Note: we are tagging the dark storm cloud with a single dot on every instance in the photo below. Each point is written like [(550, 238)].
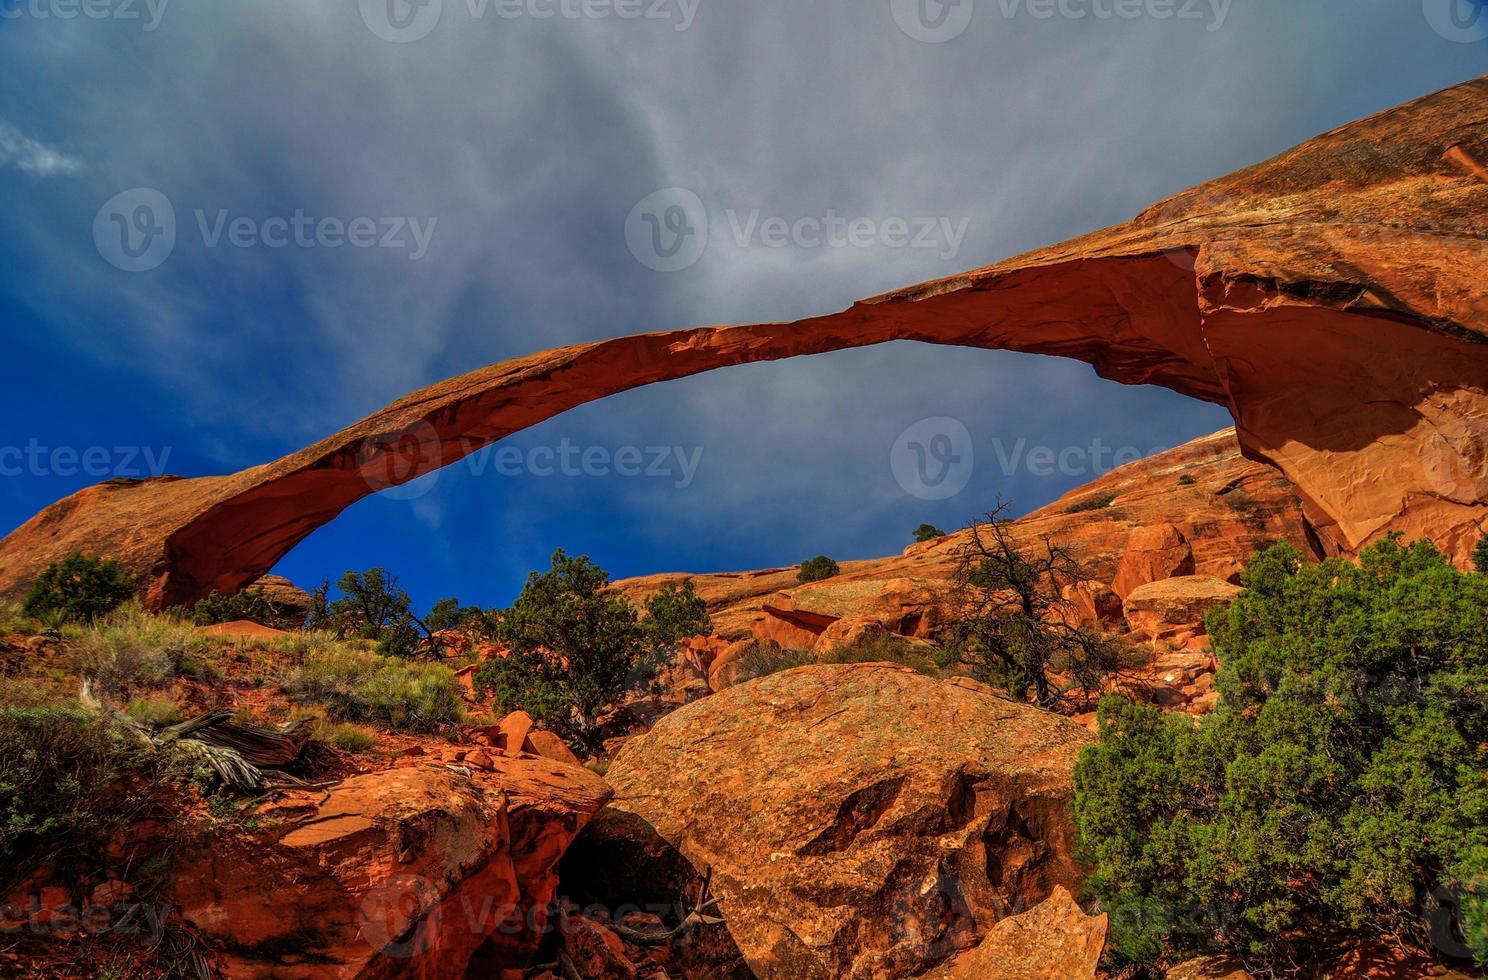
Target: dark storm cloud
[(521, 144)]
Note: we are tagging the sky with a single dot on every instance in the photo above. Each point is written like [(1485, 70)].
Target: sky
[(232, 229)]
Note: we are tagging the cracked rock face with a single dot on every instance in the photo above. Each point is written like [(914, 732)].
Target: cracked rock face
[(1331, 298), (861, 820), (402, 873)]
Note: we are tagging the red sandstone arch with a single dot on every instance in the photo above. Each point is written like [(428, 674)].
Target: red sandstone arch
[(1332, 298)]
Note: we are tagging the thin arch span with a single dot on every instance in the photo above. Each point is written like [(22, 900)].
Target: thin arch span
[(1350, 349)]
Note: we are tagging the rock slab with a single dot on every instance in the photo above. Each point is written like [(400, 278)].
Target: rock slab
[(861, 820)]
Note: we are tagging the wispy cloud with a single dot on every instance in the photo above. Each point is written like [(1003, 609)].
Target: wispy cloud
[(34, 157)]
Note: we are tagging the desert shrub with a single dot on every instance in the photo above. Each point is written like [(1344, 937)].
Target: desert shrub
[(154, 712), (372, 606), (301, 645), (448, 614), (763, 658), (57, 771), (80, 588), (674, 614), (1342, 778), (132, 648), (250, 604), (1186, 480), (927, 532), (360, 685), (1099, 502), (883, 648), (574, 647), (14, 620), (1013, 625), (349, 738), (410, 697), (1480, 555), (818, 568)]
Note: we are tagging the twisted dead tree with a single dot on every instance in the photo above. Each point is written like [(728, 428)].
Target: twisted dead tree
[(245, 757), (1015, 622)]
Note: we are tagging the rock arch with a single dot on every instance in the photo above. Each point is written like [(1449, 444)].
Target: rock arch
[(1332, 299)]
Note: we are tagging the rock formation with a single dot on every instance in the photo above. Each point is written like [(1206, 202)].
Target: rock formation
[(859, 820), (406, 872), (1053, 941), (1330, 298), (1212, 506), (1159, 608)]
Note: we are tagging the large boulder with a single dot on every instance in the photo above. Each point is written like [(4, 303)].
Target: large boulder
[(1163, 608), (1155, 552), (292, 602), (848, 632), (413, 871), (860, 820)]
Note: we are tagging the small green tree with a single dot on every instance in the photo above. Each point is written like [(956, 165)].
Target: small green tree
[(927, 532), (816, 569), (1014, 623), (674, 614), (1341, 782), (372, 606), (448, 614), (252, 604), (79, 588), (572, 646)]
